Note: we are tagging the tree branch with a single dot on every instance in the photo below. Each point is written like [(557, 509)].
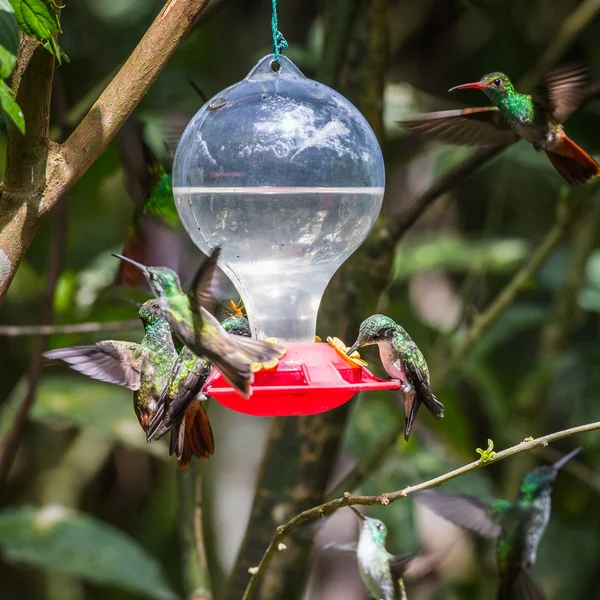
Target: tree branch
[(572, 212), (90, 327), (388, 497), (39, 172)]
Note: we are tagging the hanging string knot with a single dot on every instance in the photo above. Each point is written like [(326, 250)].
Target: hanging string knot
[(279, 42)]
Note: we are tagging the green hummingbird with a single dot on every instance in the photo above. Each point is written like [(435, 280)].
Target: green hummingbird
[(179, 409), (202, 333), (518, 526), (380, 570), (402, 360), (535, 118), (143, 368)]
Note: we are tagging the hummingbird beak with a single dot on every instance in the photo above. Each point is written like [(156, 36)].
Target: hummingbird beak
[(476, 85), (140, 266), (559, 464), (351, 350), (357, 513)]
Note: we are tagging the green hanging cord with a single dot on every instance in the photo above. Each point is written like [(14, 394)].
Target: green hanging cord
[(279, 42)]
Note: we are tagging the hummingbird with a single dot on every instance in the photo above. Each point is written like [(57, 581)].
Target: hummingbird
[(518, 526), (380, 570), (202, 333), (536, 118), (179, 408), (143, 368), (402, 360)]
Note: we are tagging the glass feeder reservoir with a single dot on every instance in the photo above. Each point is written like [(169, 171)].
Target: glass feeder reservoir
[(287, 177)]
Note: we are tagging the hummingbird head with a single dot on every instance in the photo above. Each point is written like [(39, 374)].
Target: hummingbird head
[(541, 479), (375, 329), (162, 281), (375, 528), (150, 313), (237, 325), (496, 86)]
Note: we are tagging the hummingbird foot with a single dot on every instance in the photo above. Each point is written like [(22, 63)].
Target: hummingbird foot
[(407, 388), (538, 145)]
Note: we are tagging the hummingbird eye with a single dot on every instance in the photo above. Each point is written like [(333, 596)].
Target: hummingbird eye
[(497, 83)]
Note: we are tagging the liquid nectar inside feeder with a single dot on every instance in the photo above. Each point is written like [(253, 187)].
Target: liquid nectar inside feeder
[(287, 177)]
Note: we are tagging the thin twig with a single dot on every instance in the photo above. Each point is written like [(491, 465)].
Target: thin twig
[(74, 328), (388, 497), (573, 211)]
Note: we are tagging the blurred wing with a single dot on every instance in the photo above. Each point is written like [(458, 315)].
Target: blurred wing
[(399, 563), (482, 126), (199, 294), (115, 362), (465, 511), (563, 90)]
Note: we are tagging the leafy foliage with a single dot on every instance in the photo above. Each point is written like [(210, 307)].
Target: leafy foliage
[(55, 538)]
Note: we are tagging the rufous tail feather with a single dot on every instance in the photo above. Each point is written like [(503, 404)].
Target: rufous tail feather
[(194, 437), (572, 162)]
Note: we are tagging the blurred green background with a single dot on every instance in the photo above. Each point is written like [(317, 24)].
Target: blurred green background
[(91, 511)]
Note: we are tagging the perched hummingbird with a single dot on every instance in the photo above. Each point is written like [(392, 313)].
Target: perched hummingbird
[(380, 571), (402, 360), (535, 118), (143, 368), (179, 408), (202, 333), (518, 525)]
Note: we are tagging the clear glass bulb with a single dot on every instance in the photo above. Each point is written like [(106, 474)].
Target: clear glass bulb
[(287, 177)]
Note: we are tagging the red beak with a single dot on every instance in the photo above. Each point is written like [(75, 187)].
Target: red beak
[(477, 85)]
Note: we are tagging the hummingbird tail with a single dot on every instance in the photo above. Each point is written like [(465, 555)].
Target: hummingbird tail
[(412, 403), (520, 584), (194, 437), (572, 162)]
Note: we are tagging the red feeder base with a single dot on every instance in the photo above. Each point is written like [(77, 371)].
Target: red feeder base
[(311, 378)]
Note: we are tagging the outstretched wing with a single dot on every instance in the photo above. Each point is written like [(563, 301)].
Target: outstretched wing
[(563, 90), (200, 294), (115, 362), (466, 511), (481, 126)]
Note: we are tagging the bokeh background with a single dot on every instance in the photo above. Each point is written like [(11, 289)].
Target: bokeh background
[(533, 371)]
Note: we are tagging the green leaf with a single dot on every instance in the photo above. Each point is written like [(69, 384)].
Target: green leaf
[(105, 408), (10, 108), (488, 454), (59, 539), (9, 39), (37, 19)]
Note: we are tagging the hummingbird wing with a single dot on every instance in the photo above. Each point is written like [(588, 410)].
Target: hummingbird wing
[(562, 91), (199, 293), (112, 361), (481, 126), (482, 517)]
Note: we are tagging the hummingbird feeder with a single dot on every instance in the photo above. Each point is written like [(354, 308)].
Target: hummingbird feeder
[(287, 177)]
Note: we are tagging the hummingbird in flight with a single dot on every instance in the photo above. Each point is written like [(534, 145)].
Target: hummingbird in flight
[(536, 118), (180, 410), (380, 570), (518, 526), (403, 361), (144, 368), (200, 331)]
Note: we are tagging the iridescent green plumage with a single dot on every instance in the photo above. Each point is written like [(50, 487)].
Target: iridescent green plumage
[(197, 329), (402, 360), (518, 526)]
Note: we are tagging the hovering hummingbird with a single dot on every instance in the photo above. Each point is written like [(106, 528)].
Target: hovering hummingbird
[(380, 570), (143, 368), (518, 525), (179, 408), (402, 360), (202, 333), (535, 118)]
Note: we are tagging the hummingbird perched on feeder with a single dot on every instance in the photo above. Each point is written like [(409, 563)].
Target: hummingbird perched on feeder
[(380, 570), (202, 333), (143, 368), (535, 118), (402, 360), (179, 408), (518, 526)]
